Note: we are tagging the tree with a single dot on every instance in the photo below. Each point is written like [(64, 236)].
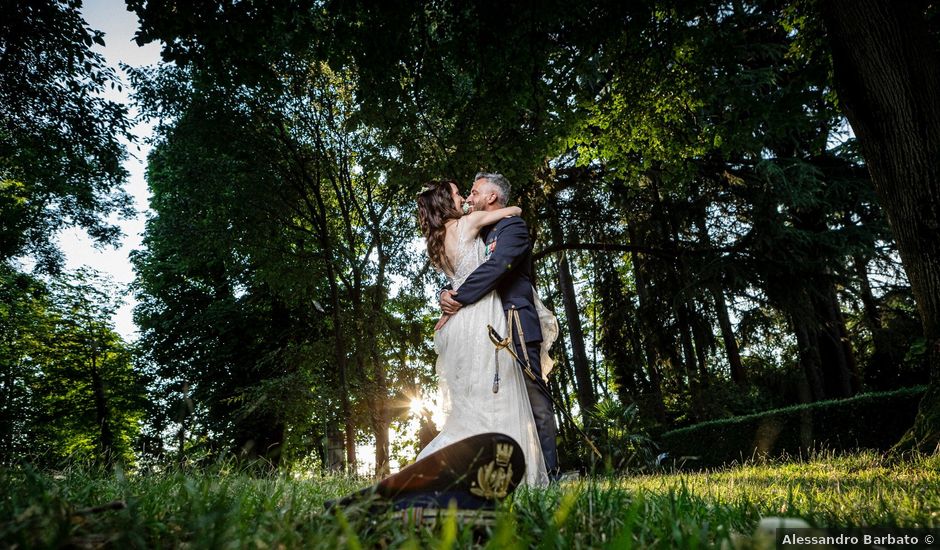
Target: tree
[(298, 239), (24, 328), (91, 396), (224, 342), (69, 389), (61, 154), (684, 157), (887, 73), (60, 144)]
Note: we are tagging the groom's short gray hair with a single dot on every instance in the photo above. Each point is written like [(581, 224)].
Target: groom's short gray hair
[(499, 181)]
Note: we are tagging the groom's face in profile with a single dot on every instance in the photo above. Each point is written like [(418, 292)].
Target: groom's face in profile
[(482, 195)]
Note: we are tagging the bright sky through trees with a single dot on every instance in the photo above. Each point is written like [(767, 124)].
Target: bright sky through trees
[(119, 26)]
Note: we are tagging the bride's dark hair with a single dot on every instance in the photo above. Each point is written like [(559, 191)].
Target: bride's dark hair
[(436, 208)]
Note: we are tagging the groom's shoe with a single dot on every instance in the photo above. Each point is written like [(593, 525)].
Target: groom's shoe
[(474, 473)]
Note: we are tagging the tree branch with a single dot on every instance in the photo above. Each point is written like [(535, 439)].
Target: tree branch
[(618, 247)]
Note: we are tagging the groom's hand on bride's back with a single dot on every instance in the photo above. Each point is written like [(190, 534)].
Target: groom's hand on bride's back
[(448, 304)]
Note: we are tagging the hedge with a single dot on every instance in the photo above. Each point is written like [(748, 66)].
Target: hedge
[(869, 421)]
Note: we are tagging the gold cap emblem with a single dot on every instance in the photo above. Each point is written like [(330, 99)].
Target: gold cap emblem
[(503, 453)]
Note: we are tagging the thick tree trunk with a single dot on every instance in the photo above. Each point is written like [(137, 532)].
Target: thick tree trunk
[(887, 75), (380, 429), (334, 448)]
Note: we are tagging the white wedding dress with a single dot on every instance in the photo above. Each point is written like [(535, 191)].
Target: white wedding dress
[(466, 363)]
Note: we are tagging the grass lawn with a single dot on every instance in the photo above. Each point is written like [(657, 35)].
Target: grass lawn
[(225, 508)]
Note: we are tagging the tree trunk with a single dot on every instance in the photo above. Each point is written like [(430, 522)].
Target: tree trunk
[(882, 372), (887, 75), (808, 350), (556, 385), (582, 370), (688, 349), (653, 341), (617, 329), (837, 360), (334, 448), (7, 422), (380, 414), (693, 340), (319, 218), (185, 411), (732, 350), (558, 381), (380, 425), (106, 436)]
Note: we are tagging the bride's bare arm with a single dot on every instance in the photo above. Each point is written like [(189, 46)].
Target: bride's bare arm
[(481, 219)]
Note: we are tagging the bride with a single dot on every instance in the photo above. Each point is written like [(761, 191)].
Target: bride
[(467, 360)]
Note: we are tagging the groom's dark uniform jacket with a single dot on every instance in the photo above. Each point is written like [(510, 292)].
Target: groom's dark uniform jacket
[(508, 269)]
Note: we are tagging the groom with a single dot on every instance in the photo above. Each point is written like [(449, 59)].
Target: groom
[(508, 269)]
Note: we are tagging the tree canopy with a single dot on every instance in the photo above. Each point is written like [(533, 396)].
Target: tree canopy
[(720, 222)]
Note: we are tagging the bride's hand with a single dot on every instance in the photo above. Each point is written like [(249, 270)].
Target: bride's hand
[(443, 321)]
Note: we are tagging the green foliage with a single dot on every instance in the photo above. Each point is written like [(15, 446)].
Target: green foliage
[(738, 259), (861, 422), (264, 288), (60, 146), (70, 389), (24, 328), (702, 136), (625, 444)]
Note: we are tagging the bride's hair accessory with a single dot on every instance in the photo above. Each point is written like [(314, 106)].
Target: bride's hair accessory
[(430, 186)]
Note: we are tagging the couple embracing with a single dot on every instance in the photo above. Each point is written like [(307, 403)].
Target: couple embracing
[(483, 248)]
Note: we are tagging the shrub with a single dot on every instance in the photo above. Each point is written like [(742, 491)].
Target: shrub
[(623, 441), (869, 421)]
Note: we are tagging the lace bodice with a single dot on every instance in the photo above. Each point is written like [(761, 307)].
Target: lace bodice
[(468, 256)]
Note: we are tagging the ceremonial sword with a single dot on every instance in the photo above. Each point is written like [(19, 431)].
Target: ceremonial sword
[(506, 343)]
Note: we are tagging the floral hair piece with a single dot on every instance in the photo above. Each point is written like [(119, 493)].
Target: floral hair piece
[(425, 189)]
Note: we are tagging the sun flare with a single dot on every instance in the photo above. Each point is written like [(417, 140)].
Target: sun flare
[(417, 404), (420, 406)]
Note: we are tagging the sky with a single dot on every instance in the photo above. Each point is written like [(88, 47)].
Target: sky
[(119, 26)]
